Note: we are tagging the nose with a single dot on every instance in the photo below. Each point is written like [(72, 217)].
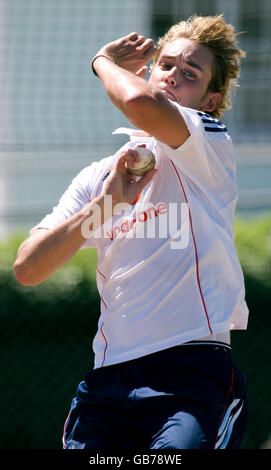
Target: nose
[(170, 77)]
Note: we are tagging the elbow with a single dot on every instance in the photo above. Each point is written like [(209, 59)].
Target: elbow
[(24, 275), (21, 274)]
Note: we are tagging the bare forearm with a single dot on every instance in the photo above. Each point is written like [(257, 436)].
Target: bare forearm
[(122, 86), (45, 252)]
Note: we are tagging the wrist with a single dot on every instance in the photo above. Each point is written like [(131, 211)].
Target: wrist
[(99, 56), (111, 205)]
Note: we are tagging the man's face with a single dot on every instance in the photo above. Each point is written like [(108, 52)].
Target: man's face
[(183, 72)]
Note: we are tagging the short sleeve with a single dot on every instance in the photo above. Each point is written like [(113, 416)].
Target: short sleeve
[(76, 196), (206, 158)]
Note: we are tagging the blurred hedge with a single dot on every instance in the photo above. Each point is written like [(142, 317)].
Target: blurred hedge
[(46, 338), (47, 333)]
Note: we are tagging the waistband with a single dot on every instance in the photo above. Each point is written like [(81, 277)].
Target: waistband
[(210, 344), (221, 339)]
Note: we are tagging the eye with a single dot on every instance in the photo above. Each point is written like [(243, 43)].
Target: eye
[(165, 66), (189, 75)]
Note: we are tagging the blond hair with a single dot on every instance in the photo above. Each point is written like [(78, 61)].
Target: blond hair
[(219, 37)]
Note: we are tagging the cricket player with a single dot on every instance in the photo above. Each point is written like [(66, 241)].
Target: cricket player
[(169, 278)]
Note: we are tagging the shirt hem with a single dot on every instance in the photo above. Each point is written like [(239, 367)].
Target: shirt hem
[(146, 350)]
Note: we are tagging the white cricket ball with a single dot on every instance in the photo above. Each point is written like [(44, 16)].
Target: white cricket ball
[(147, 162)]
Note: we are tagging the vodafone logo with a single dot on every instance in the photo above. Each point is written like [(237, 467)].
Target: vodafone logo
[(139, 221), (142, 217)]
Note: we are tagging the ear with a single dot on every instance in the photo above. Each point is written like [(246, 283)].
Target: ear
[(211, 102)]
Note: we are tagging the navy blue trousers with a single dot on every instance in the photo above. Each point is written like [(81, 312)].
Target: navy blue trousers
[(185, 397)]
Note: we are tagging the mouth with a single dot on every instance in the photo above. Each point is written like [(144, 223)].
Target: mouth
[(169, 95)]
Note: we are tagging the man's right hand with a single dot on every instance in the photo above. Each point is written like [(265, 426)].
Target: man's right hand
[(131, 52)]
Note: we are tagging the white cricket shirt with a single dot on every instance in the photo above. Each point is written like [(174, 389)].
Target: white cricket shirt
[(167, 270)]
